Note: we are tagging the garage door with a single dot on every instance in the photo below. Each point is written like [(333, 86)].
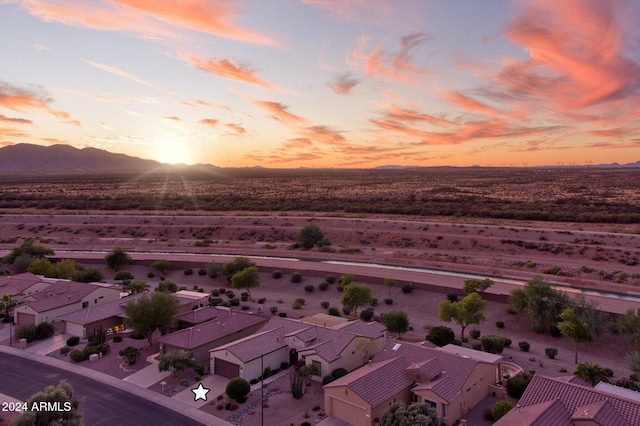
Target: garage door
[(25, 319), (225, 368), (348, 412), (75, 329)]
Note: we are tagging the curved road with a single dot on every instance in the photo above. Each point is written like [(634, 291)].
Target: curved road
[(103, 404)]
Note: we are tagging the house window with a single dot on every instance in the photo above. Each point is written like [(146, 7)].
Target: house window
[(318, 365), (85, 305), (433, 405), (443, 409)]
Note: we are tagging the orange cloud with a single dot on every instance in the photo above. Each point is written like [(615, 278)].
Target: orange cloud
[(634, 144), (325, 135), (465, 102), (17, 99), (209, 122), (236, 128), (393, 112), (344, 83), (279, 112), (225, 68), (5, 119), (297, 143)]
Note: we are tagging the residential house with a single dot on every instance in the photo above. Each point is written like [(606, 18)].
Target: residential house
[(559, 402), (451, 380), (63, 297), (21, 285), (226, 326)]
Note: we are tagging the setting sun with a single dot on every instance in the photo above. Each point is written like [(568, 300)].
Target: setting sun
[(173, 149)]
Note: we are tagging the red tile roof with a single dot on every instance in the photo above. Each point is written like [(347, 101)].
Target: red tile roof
[(100, 312), (548, 413), (251, 347)]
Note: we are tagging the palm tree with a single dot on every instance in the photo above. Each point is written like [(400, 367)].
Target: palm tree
[(591, 373)]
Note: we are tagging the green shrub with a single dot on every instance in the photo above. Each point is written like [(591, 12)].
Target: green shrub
[(296, 277), (493, 344), (198, 368), (297, 304), (123, 275), (327, 379), (237, 388), (273, 310), (366, 314), (330, 279), (333, 311), (117, 339), (555, 331), (324, 305), (339, 372), (235, 301), (524, 346), (474, 333), (500, 324), (407, 288), (452, 297), (323, 285), (551, 352), (202, 272), (215, 301), (501, 408), (388, 301), (440, 335), (282, 314), (517, 384), (64, 350), (27, 331), (262, 300), (73, 340), (276, 274), (78, 356), (309, 288), (44, 330)]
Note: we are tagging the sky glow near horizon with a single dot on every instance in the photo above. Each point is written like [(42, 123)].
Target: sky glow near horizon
[(326, 83)]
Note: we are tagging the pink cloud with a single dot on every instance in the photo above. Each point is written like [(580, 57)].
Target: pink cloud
[(209, 122), (467, 103), (236, 129), (225, 68), (324, 135), (344, 83), (279, 112), (12, 120), (18, 99)]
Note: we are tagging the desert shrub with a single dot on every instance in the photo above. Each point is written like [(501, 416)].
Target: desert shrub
[(282, 314), (493, 344), (501, 408), (202, 272), (323, 285), (555, 331), (330, 279), (339, 288), (407, 288), (551, 352), (500, 324), (237, 388), (64, 350), (150, 274), (262, 300), (296, 277), (296, 304), (78, 356), (276, 275), (117, 339), (309, 288), (339, 372), (517, 384), (44, 330), (273, 310), (27, 331), (474, 333), (327, 379), (452, 297), (244, 296), (477, 346), (235, 301), (324, 305), (188, 271), (524, 346), (123, 275), (230, 294), (333, 311), (440, 335), (374, 302), (215, 301), (388, 301), (73, 340), (507, 342), (198, 368), (366, 314)]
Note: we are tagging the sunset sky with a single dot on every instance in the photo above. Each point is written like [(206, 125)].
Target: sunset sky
[(326, 83)]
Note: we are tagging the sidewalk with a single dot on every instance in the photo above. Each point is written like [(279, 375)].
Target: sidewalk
[(147, 376), (48, 345), (175, 405)]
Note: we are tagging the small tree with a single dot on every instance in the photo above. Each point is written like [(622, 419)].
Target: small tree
[(27, 249), (396, 321), (236, 265), (346, 279), (440, 335), (591, 373), (356, 296), (517, 384), (123, 275), (476, 285), (175, 361), (237, 388), (246, 279), (147, 314), (416, 414), (572, 326), (63, 394), (390, 283), (540, 301), (162, 266), (130, 355), (466, 312), (136, 287), (629, 324), (309, 236), (167, 286), (116, 258), (501, 408)]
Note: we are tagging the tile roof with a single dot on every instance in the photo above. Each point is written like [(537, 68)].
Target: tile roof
[(471, 353), (288, 325), (389, 375), (546, 413), (210, 331), (16, 284), (617, 390), (251, 347), (442, 386), (100, 312), (201, 315), (601, 412), (373, 329), (575, 400), (61, 293), (327, 343)]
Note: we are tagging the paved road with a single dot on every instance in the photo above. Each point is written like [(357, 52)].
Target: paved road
[(103, 404)]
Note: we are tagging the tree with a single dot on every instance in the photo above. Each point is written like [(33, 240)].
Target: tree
[(469, 310), (130, 355), (356, 296), (7, 303), (27, 249), (175, 361), (64, 395), (591, 373), (161, 266), (148, 314), (236, 265), (540, 301), (633, 361), (629, 324), (309, 236), (87, 275), (589, 312), (396, 321), (416, 414), (246, 279), (476, 285), (572, 326), (123, 275), (237, 388), (390, 283), (517, 384), (346, 279), (501, 408), (167, 286), (136, 287), (440, 335), (116, 258)]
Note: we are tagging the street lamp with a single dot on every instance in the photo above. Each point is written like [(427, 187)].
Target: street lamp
[(10, 323)]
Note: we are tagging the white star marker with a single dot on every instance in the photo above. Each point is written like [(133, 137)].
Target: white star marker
[(200, 392)]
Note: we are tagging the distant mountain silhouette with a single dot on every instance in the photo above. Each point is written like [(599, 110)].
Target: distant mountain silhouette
[(32, 159)]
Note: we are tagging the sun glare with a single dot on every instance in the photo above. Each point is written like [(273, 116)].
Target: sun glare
[(173, 149)]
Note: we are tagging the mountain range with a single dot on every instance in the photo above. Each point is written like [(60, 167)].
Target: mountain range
[(30, 159)]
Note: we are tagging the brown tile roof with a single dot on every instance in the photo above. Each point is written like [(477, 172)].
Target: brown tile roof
[(377, 381), (251, 347), (373, 329), (61, 293), (288, 325), (201, 315), (548, 413), (100, 312), (442, 386), (601, 412), (16, 284), (210, 331), (574, 398), (326, 342)]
